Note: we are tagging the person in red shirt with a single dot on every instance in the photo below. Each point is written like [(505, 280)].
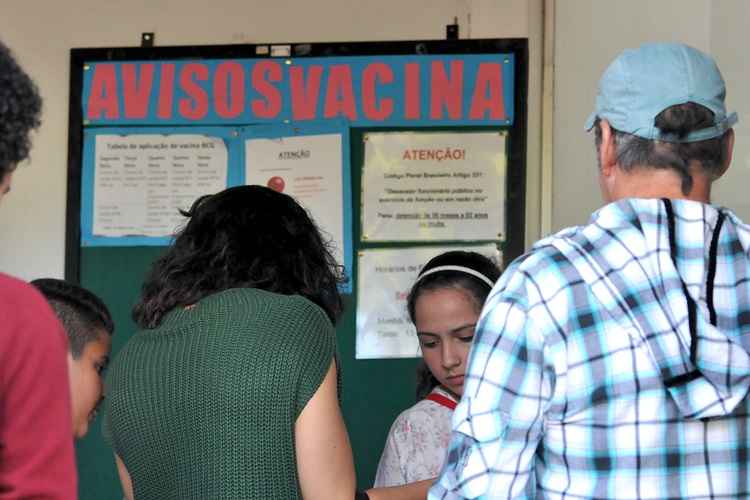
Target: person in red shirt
[(37, 458)]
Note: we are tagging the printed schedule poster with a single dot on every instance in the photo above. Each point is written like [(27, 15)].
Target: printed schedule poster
[(308, 168), (384, 329), (433, 186), (142, 181)]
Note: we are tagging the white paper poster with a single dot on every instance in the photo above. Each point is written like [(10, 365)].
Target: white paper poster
[(433, 186), (141, 181), (308, 168), (384, 329)]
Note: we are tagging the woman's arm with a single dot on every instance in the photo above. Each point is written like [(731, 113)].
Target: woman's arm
[(324, 456), (412, 491), (127, 484)]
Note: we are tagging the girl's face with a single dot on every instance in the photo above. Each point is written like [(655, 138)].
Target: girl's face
[(445, 319), (86, 386)]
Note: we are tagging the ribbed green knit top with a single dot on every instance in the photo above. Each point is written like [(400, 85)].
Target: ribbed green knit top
[(203, 407)]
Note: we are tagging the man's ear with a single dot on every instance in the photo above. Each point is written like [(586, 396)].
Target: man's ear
[(728, 153), (607, 150)]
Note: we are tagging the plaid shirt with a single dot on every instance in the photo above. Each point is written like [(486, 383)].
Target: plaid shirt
[(611, 362)]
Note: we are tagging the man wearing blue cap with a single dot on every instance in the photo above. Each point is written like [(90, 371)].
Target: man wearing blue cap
[(611, 361)]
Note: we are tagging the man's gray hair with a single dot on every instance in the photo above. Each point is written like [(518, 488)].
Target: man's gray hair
[(710, 155)]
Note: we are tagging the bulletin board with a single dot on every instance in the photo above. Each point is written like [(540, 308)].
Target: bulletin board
[(163, 98)]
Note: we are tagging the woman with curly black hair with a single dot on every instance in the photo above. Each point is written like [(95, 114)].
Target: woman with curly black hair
[(230, 390)]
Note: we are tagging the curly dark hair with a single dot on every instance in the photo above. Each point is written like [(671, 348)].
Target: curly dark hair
[(82, 314), (245, 236), (477, 290), (20, 107)]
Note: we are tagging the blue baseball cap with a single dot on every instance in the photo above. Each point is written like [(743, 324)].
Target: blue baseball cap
[(641, 83)]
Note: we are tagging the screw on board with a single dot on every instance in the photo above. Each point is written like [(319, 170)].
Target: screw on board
[(451, 30), (147, 39)]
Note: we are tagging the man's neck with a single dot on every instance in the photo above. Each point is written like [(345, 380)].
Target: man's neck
[(661, 183)]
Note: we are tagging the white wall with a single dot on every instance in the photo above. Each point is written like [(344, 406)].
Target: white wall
[(41, 34), (588, 35), (730, 20)]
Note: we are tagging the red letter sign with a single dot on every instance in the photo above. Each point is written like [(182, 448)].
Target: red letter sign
[(446, 91), (194, 107), (372, 73), (229, 89), (304, 95), (136, 95), (271, 106), (489, 78), (103, 97), (340, 84), (166, 91)]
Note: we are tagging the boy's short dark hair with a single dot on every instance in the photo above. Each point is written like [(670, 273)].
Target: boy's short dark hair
[(81, 313)]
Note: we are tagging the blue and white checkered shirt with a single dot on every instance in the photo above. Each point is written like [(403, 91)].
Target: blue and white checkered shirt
[(611, 361)]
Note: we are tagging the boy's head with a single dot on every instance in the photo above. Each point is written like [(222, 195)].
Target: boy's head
[(89, 327)]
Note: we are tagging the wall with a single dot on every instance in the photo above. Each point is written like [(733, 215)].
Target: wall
[(32, 218), (729, 22), (588, 35)]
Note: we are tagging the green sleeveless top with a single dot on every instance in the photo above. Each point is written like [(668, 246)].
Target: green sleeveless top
[(203, 407)]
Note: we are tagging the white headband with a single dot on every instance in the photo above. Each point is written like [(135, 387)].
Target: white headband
[(460, 269)]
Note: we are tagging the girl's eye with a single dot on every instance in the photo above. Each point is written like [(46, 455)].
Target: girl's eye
[(466, 339), (100, 369), (428, 343)]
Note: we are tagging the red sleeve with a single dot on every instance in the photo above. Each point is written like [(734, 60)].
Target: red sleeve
[(37, 458)]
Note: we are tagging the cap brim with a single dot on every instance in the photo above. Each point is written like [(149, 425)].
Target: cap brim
[(590, 122)]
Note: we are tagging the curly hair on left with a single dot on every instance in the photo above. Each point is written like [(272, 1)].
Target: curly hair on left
[(20, 110)]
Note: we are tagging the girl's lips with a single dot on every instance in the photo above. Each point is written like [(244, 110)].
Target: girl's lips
[(456, 379)]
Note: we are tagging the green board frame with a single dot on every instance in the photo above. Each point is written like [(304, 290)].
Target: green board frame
[(374, 391)]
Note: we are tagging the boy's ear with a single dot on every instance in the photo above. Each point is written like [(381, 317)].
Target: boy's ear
[(72, 371)]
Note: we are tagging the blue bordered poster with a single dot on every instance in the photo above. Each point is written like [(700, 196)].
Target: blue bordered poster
[(309, 162), (136, 180)]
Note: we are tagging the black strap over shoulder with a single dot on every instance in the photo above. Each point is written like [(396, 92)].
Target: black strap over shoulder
[(692, 306)]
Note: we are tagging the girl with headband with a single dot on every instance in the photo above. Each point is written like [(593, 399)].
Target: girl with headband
[(444, 305)]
